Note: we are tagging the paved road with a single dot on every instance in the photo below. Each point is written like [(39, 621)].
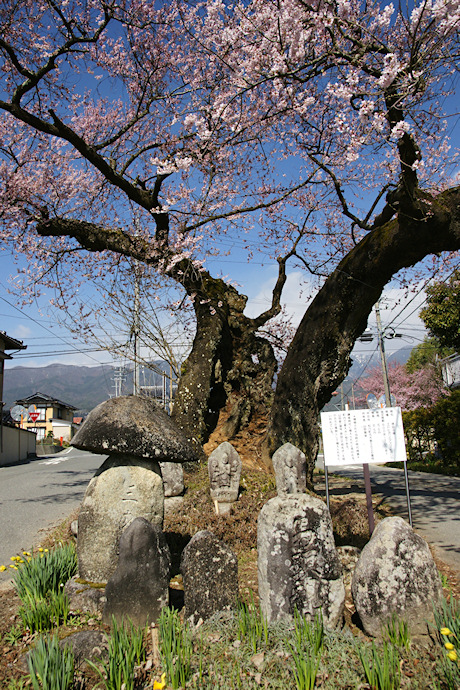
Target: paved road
[(435, 504), (39, 495)]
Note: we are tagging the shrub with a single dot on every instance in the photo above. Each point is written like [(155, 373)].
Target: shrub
[(432, 436)]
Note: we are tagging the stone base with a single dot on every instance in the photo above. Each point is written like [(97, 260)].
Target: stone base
[(222, 507), (173, 504)]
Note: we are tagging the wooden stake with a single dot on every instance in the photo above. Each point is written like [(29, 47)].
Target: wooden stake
[(370, 510), (155, 645)]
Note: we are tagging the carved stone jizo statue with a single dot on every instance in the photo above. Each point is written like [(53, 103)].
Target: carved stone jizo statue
[(290, 466), (298, 565), (224, 468)]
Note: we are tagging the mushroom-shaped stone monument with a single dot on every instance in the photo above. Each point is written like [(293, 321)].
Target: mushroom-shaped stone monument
[(136, 435)]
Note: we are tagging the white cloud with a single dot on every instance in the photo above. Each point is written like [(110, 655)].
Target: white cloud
[(21, 332)]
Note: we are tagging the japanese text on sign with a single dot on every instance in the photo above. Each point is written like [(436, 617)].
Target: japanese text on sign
[(363, 436)]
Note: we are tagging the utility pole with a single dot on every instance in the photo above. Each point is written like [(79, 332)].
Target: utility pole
[(386, 385), (118, 379), (136, 331), (386, 382), (136, 320)]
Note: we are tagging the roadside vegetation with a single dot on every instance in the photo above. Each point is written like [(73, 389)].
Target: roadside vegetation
[(229, 651)]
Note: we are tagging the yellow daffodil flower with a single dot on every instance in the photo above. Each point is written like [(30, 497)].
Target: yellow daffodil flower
[(14, 566), (159, 685), (449, 645), (40, 549), (2, 568), (452, 655), (25, 553), (445, 631)]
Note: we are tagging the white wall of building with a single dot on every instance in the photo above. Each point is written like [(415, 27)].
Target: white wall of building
[(16, 445)]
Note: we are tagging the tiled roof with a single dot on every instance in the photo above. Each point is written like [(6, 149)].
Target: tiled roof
[(42, 397)]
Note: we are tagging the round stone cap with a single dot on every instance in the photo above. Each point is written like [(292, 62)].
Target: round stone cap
[(136, 426)]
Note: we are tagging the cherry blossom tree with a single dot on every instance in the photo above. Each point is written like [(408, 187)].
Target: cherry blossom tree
[(355, 88), (315, 128), (421, 388), (99, 123)]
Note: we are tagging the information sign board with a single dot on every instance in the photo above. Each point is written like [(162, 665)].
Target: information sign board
[(363, 436)]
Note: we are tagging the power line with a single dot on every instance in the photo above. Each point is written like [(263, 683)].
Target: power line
[(73, 348)]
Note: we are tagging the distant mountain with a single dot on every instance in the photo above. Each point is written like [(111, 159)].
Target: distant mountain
[(80, 386), (363, 363)]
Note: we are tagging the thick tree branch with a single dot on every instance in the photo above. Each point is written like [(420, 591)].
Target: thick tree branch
[(319, 354)]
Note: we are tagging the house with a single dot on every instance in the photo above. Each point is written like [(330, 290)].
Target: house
[(451, 371), (7, 343), (48, 416), (16, 445)]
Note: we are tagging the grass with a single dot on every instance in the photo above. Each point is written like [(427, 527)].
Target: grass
[(126, 651), (50, 666), (240, 650)]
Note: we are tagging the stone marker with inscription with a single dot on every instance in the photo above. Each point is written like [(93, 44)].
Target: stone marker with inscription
[(298, 565)]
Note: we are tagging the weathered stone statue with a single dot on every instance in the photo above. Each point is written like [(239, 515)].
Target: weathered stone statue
[(298, 565), (210, 572), (173, 485), (139, 587), (290, 466), (224, 468)]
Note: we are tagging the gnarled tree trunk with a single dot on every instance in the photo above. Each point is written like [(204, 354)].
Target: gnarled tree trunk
[(228, 362), (319, 356)]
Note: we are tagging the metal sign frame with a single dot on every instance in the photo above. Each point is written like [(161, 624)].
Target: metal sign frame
[(361, 437)]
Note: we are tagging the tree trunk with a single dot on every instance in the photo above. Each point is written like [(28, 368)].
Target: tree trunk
[(228, 361), (319, 356)]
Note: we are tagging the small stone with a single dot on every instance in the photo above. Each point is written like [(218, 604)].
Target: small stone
[(86, 645), (173, 504), (173, 478), (85, 596), (395, 574), (210, 572), (290, 466), (139, 587), (258, 660)]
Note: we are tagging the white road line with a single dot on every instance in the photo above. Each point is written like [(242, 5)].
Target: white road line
[(53, 461)]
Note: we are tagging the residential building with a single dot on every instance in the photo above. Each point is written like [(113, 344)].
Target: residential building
[(54, 418), (16, 445), (451, 371)]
